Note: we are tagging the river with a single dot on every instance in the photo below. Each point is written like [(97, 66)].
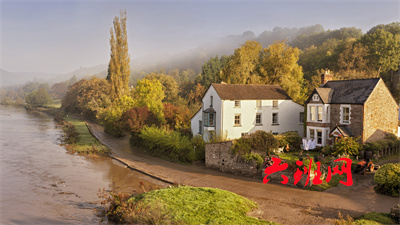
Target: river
[(40, 183)]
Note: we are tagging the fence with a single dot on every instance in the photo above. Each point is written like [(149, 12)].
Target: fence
[(389, 151)]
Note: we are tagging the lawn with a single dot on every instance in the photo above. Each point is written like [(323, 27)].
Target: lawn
[(86, 142), (190, 205)]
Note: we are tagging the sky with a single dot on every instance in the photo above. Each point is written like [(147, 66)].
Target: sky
[(59, 36)]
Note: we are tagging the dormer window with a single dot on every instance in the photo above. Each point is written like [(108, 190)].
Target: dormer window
[(315, 98), (209, 117)]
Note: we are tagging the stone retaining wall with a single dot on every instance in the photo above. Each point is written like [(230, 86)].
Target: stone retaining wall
[(219, 156)]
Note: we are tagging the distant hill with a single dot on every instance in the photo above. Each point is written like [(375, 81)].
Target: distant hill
[(18, 78)]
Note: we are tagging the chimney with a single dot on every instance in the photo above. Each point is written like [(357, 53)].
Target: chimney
[(325, 77)]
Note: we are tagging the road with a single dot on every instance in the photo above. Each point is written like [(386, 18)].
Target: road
[(278, 203)]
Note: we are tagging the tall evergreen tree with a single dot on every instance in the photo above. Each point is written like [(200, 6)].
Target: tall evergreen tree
[(118, 67)]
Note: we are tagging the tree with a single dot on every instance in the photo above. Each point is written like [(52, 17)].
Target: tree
[(176, 117), (38, 98), (149, 93), (211, 70), (169, 85), (138, 117), (58, 90), (241, 66), (89, 97), (279, 66), (352, 63), (118, 67), (384, 50)]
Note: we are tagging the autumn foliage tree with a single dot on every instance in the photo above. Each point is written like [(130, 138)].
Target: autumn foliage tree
[(118, 67), (136, 118), (149, 93), (176, 117)]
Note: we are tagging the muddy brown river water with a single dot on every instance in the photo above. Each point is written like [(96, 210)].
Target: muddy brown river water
[(40, 183)]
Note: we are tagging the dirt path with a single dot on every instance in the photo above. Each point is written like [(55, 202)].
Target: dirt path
[(278, 203)]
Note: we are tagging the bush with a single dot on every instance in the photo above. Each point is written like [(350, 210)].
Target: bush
[(242, 146), (387, 179), (346, 146), (262, 141), (255, 157), (171, 145), (200, 147), (291, 138), (71, 135), (378, 218)]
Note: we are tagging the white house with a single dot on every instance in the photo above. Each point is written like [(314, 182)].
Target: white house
[(235, 110)]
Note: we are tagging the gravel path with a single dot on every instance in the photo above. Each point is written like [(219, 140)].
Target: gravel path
[(278, 203)]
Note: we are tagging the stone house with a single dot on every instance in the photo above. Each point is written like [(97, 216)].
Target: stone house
[(235, 110), (361, 108)]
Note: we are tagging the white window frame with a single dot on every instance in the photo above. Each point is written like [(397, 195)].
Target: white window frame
[(275, 104), (320, 139), (277, 119), (312, 113), (315, 97), (320, 114), (237, 104), (313, 133), (301, 117), (259, 104), (234, 120), (260, 119), (342, 121)]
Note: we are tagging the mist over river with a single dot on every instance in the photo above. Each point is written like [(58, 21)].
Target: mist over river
[(40, 183)]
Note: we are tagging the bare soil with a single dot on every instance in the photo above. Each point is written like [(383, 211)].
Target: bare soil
[(278, 203)]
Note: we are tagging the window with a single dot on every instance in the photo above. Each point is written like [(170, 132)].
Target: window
[(211, 100), (211, 117), (319, 108), (274, 118), (237, 103), (258, 119), (319, 137), (312, 134), (237, 119), (345, 114), (275, 104), (259, 104), (200, 127), (312, 113), (315, 97), (301, 117), (327, 114)]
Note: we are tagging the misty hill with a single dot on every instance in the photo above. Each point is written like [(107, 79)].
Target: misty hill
[(196, 57), (17, 78)]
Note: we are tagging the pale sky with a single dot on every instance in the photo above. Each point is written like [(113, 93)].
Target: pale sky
[(60, 36)]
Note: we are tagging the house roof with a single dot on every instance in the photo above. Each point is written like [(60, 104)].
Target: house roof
[(344, 130), (346, 91), (250, 92)]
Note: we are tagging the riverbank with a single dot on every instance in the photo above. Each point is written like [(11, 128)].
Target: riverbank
[(278, 203)]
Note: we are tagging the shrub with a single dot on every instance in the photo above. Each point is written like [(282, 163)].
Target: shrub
[(375, 217), (255, 157), (71, 135), (387, 179), (136, 118), (200, 147), (242, 146), (216, 137), (290, 138), (346, 146), (262, 141), (171, 145), (372, 146)]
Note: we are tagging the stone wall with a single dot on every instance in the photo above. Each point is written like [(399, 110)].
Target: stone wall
[(381, 114), (356, 119), (219, 156)]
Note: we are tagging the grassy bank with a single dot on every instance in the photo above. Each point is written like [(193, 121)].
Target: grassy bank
[(85, 143), (183, 205)]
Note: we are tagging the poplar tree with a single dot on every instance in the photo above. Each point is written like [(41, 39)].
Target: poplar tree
[(118, 67)]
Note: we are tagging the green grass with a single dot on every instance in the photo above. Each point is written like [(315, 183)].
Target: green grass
[(86, 143), (375, 218), (54, 104), (326, 185), (194, 205)]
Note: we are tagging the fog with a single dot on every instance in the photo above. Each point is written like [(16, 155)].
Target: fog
[(49, 39)]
